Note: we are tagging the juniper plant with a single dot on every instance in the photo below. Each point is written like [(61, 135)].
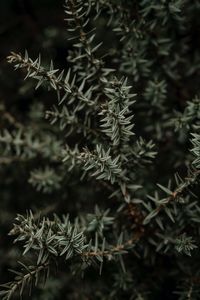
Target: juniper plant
[(119, 157)]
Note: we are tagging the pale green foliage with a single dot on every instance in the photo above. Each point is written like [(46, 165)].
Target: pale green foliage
[(102, 164), (185, 244), (155, 92), (117, 132), (99, 221), (27, 144), (56, 237), (196, 149), (28, 276), (116, 120), (190, 117), (45, 179)]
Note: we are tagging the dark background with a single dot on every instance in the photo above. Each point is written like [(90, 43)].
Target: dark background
[(39, 27)]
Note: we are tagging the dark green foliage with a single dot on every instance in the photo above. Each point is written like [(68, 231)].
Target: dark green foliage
[(105, 162)]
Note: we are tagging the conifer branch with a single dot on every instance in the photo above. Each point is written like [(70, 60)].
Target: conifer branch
[(60, 83)]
